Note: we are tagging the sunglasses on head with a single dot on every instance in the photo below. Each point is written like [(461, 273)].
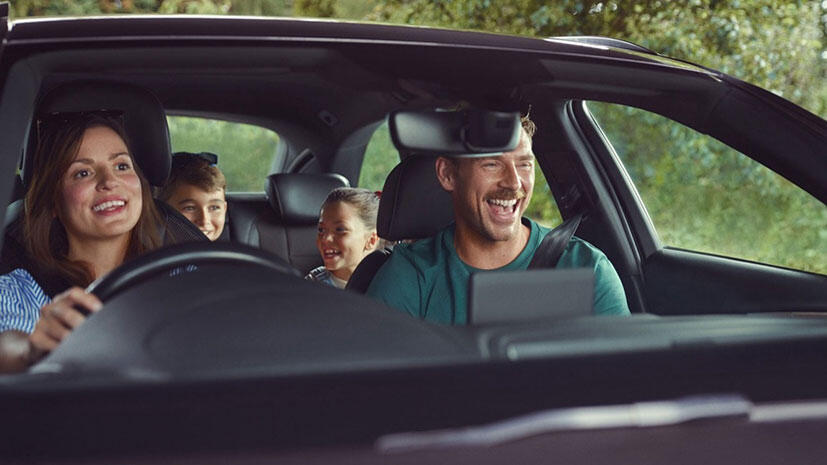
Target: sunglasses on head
[(183, 157), (56, 120)]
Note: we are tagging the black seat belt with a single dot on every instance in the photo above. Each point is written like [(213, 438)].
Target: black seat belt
[(551, 248)]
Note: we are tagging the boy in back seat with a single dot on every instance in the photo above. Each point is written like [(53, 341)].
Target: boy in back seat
[(196, 188)]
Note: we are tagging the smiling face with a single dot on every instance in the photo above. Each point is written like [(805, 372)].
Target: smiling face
[(101, 192), (343, 239), (207, 210), (490, 194)]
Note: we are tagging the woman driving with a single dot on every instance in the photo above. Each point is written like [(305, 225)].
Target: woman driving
[(87, 210)]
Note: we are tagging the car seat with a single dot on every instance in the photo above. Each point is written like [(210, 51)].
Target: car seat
[(413, 206), (286, 224)]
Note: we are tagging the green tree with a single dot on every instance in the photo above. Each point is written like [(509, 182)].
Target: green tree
[(315, 8), (200, 7), (775, 44), (26, 8), (262, 7)]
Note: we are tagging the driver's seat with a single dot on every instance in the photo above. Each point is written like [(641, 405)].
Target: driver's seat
[(146, 128), (413, 206)]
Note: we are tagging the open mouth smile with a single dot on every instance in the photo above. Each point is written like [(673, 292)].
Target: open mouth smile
[(504, 209), (330, 254), (109, 206)]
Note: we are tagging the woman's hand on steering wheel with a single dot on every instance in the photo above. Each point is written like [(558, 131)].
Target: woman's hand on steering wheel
[(58, 318)]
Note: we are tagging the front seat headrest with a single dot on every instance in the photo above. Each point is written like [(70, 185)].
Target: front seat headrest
[(297, 197), (413, 204), (143, 117)]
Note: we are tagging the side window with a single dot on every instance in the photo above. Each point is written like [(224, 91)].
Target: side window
[(245, 152), (703, 195), (380, 158), (542, 209)]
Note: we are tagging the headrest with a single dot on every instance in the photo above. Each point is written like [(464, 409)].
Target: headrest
[(298, 197), (413, 203), (143, 116)]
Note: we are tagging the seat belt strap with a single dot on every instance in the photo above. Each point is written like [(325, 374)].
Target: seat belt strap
[(551, 248)]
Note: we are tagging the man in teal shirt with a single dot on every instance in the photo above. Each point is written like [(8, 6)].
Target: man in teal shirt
[(429, 278)]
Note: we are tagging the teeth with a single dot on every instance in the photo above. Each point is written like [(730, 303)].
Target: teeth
[(107, 205), (503, 203)]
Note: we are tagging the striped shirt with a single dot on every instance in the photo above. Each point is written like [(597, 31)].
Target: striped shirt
[(20, 301)]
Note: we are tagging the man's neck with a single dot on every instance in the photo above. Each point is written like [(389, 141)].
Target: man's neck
[(480, 252), (102, 256)]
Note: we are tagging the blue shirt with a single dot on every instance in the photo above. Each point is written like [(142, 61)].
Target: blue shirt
[(20, 301)]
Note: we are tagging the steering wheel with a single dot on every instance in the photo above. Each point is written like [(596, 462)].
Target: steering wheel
[(184, 255)]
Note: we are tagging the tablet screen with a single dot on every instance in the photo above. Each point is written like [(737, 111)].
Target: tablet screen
[(513, 296)]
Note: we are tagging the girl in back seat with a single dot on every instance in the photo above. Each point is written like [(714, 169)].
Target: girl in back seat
[(347, 233)]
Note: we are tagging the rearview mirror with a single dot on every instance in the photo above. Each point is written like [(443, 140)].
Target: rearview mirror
[(454, 133)]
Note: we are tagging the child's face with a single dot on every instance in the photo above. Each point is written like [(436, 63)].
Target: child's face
[(207, 210), (343, 239)]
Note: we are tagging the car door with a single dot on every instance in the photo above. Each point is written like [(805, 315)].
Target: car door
[(718, 230)]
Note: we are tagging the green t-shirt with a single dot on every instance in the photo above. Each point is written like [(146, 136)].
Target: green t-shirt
[(428, 279)]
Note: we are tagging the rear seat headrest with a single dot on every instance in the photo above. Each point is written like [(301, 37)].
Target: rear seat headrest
[(298, 197), (413, 203), (144, 120)]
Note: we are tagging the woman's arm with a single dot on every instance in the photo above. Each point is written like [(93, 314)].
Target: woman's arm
[(14, 351), (57, 319)]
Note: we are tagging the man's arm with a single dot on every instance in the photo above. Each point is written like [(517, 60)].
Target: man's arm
[(397, 284), (609, 296)]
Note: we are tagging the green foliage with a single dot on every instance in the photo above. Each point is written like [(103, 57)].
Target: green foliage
[(25, 8), (542, 208), (261, 7), (353, 9), (380, 158), (245, 152), (315, 8), (702, 195), (775, 44), (200, 7)]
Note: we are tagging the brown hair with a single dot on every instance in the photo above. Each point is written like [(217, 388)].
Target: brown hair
[(44, 235), (195, 171), (528, 125), (366, 203)]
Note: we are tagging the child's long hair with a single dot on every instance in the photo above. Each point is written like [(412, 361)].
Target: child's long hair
[(366, 203)]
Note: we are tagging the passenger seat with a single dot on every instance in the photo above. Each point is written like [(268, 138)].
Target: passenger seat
[(413, 206), (285, 222)]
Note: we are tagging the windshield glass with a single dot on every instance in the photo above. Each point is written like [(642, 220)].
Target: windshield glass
[(383, 213)]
